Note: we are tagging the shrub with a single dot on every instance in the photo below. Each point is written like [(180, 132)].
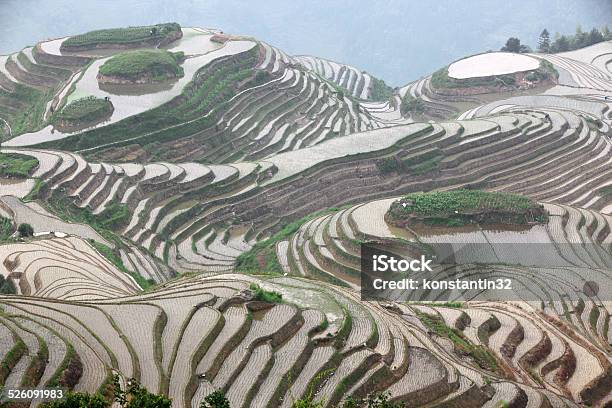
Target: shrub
[(25, 230), (79, 400), (136, 396), (412, 105), (514, 45), (265, 295), (215, 399), (6, 286), (262, 76), (380, 90), (307, 402), (388, 165)]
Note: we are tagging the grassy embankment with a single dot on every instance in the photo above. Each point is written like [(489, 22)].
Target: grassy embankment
[(262, 257), (479, 354)]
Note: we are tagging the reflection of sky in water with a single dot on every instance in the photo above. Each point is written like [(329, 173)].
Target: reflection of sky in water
[(308, 299)]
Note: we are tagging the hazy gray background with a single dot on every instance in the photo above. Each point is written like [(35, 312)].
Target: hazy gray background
[(397, 40)]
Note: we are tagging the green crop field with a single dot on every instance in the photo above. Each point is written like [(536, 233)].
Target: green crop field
[(447, 202), (122, 35)]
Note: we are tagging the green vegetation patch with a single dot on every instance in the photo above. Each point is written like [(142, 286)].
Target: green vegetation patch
[(23, 108), (16, 165), (380, 90), (479, 354), (6, 229), (605, 191), (115, 259), (123, 35), (88, 109), (262, 257), (460, 207), (154, 65), (6, 286), (114, 216), (544, 72), (413, 105), (415, 165), (11, 359), (265, 295)]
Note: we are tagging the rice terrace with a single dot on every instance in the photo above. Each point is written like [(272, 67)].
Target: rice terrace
[(182, 212)]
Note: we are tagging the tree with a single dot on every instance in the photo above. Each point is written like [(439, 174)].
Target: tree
[(376, 400), (6, 286), (215, 399), (307, 402), (80, 400), (135, 396), (544, 41), (595, 36), (561, 44), (579, 38), (381, 400), (512, 45), (25, 230), (412, 105), (606, 33)]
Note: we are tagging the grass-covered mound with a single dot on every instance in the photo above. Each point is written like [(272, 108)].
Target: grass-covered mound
[(125, 37), (82, 113), (144, 66), (16, 165), (462, 207)]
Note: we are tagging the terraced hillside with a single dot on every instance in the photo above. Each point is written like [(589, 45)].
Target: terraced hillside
[(257, 102), (267, 355), (157, 225)]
